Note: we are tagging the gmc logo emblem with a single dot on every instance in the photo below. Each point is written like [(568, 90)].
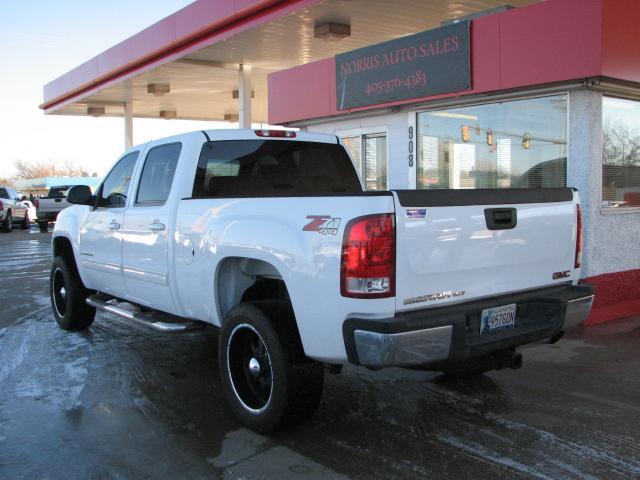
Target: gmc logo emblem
[(559, 275)]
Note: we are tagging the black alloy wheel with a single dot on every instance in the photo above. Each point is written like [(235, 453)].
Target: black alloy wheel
[(26, 223), (250, 369), (68, 296), (267, 380), (58, 292), (8, 223)]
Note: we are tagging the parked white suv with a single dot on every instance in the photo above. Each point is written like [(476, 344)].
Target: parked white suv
[(269, 236), (12, 210)]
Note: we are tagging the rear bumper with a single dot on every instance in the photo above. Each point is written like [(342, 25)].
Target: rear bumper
[(51, 216), (577, 311), (438, 336)]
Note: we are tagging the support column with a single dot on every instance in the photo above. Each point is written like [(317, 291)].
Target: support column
[(128, 125), (602, 241), (244, 96)]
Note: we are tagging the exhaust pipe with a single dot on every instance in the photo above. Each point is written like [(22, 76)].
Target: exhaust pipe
[(508, 359)]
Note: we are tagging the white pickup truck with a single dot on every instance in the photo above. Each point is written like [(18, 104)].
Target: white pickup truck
[(268, 236), (49, 206)]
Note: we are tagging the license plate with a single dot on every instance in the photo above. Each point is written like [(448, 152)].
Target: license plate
[(497, 318)]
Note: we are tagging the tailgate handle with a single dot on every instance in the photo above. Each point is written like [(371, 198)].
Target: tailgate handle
[(501, 218)]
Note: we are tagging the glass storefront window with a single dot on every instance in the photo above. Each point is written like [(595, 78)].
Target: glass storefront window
[(369, 155), (511, 144), (354, 147), (375, 162), (620, 153)]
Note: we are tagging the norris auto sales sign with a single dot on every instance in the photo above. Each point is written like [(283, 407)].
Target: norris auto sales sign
[(420, 65)]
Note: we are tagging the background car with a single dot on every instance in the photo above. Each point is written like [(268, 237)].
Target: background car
[(12, 210)]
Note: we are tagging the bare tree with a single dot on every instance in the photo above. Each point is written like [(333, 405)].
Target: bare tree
[(48, 168), (620, 146)]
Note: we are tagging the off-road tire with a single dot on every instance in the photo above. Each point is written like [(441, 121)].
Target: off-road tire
[(296, 381), (26, 223), (69, 305), (7, 226)]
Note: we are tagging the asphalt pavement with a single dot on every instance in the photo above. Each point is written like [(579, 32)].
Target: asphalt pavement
[(120, 401)]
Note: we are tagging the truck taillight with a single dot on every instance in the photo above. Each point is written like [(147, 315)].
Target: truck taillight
[(1, 206), (579, 238), (369, 257), (36, 203)]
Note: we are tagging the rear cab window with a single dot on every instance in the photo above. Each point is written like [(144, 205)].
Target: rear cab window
[(157, 174), (58, 192), (4, 193), (255, 168)]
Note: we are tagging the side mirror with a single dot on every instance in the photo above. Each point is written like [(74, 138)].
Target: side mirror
[(80, 195)]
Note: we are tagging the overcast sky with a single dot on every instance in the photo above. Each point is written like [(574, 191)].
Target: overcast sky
[(41, 40)]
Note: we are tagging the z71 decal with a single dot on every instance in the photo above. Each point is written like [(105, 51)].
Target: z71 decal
[(323, 224)]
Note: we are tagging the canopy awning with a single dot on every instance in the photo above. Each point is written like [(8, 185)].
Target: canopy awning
[(196, 52)]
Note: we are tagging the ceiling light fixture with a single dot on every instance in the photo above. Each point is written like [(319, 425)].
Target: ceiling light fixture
[(95, 111), (332, 31), (158, 89), (168, 114), (454, 115)]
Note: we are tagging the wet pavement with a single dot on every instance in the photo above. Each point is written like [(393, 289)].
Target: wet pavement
[(119, 401)]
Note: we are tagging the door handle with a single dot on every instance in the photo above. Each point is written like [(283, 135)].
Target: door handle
[(156, 226), (114, 225), (501, 218)]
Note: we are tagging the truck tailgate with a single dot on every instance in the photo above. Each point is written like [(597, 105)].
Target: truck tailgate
[(459, 245), (50, 204)]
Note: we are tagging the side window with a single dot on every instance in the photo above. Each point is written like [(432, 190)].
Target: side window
[(4, 193), (115, 187), (157, 174)]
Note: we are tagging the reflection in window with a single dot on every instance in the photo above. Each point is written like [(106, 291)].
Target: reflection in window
[(375, 162), (115, 187), (354, 147), (620, 153), (157, 173), (515, 144), (369, 155)]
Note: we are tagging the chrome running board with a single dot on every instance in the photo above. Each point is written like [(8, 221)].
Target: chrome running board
[(156, 320)]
